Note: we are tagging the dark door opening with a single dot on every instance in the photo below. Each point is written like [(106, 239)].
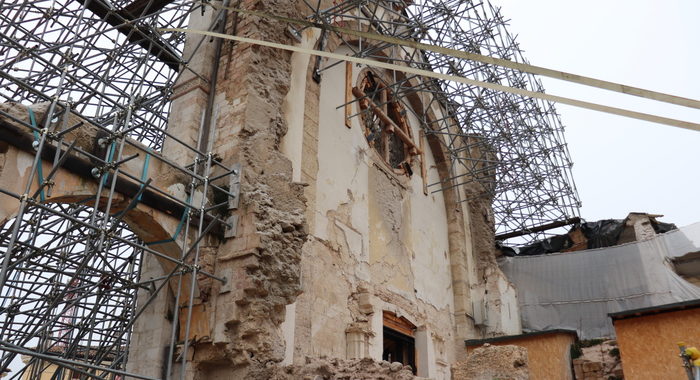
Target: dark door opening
[(399, 348)]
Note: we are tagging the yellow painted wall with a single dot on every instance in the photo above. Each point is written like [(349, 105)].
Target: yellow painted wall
[(648, 344), (548, 355), (47, 370), (47, 374)]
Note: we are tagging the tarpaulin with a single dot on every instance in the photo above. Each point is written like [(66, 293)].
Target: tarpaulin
[(577, 290)]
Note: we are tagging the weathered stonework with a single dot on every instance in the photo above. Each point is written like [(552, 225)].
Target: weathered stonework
[(359, 369), (494, 362), (329, 237), (263, 259)]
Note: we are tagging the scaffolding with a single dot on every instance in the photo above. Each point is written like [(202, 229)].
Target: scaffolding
[(504, 147), (71, 273)]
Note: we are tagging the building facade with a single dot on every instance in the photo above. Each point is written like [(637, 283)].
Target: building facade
[(341, 250)]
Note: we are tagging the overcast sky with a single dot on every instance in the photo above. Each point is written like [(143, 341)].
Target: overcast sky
[(622, 165)]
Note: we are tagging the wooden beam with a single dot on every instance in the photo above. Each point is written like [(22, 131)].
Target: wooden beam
[(524, 67), (541, 228), (140, 8), (142, 36), (399, 324), (391, 127), (348, 93), (423, 169), (455, 78)]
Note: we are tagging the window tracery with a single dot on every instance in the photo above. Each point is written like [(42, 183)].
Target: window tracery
[(385, 123)]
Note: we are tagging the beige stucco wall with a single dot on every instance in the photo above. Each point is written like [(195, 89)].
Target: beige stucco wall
[(377, 241)]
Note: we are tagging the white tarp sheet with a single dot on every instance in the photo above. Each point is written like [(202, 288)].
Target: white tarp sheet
[(577, 290)]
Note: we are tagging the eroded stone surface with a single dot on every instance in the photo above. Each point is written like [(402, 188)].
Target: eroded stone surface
[(264, 258), (351, 272)]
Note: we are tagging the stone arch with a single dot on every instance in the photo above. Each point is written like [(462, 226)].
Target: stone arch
[(156, 228)]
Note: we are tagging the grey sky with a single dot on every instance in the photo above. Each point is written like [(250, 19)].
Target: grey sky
[(622, 165)]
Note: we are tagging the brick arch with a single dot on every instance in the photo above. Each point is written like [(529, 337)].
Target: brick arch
[(458, 215)]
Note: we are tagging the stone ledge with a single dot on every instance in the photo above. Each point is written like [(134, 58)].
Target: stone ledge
[(237, 255), (189, 86)]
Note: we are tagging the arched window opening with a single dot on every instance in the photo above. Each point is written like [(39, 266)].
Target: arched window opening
[(385, 123), (69, 292)]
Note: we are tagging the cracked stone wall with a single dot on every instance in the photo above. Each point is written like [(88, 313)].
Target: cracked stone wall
[(264, 258), (493, 294), (328, 237), (236, 326), (492, 291), (377, 242)]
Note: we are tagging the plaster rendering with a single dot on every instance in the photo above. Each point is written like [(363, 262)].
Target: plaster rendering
[(299, 216)]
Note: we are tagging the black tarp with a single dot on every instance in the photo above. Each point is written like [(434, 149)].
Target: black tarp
[(549, 245), (662, 228), (603, 233), (600, 234)]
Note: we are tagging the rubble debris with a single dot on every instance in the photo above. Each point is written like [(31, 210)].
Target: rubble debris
[(493, 362), (598, 359), (336, 369)]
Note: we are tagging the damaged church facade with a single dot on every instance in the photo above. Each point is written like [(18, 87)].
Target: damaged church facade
[(296, 207)]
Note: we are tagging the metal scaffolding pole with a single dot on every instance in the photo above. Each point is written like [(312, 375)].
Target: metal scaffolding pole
[(510, 146), (71, 272)]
